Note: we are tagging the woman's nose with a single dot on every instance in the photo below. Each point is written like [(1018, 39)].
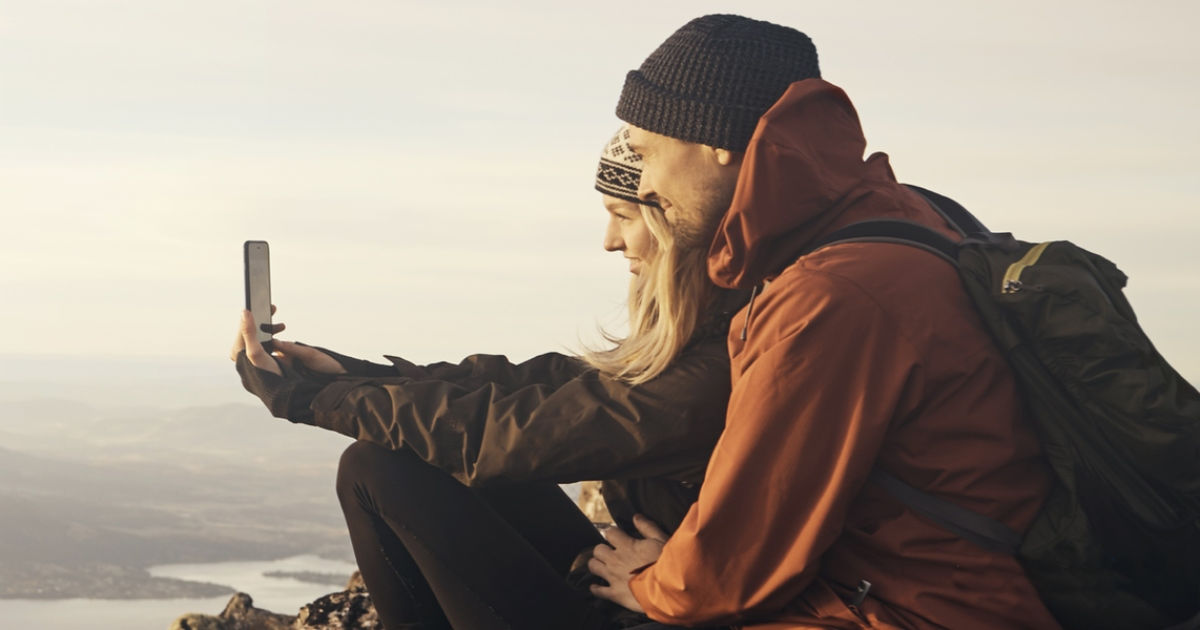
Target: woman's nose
[(612, 238)]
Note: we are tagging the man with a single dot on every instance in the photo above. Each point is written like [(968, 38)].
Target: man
[(853, 357)]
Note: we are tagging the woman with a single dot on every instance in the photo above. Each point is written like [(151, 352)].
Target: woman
[(451, 492)]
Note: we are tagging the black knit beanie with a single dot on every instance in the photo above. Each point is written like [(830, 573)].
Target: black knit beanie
[(714, 78)]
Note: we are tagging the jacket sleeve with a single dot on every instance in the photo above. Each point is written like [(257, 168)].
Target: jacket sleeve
[(549, 419), (821, 376), (551, 369)]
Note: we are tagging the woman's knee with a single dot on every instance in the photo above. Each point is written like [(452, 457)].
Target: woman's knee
[(366, 467), (358, 463)]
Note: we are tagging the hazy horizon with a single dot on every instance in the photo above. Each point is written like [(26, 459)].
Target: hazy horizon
[(424, 173)]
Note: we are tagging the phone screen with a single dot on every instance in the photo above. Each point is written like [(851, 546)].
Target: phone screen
[(258, 284)]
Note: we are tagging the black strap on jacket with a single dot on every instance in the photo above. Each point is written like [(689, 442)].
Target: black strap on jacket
[(984, 531)]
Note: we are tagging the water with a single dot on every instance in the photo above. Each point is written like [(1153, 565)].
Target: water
[(282, 595)]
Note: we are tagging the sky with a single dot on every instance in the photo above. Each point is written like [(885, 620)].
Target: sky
[(423, 170)]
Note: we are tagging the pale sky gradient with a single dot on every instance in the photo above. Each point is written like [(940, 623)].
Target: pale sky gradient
[(423, 170)]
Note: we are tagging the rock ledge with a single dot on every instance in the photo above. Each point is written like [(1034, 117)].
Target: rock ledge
[(350, 609)]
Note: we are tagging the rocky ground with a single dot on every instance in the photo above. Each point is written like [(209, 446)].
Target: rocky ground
[(343, 610)]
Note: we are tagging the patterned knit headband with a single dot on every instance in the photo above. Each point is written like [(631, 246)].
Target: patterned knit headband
[(620, 168)]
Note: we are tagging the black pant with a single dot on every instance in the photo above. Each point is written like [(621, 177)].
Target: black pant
[(437, 554)]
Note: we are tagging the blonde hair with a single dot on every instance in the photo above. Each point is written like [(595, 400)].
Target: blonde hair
[(666, 303)]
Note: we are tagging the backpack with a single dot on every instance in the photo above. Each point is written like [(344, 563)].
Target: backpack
[(1117, 543)]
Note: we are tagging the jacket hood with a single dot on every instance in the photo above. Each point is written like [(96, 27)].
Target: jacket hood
[(802, 170)]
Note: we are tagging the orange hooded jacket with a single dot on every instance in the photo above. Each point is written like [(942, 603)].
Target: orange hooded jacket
[(855, 356)]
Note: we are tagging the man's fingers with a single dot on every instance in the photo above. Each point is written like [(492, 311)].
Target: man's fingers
[(602, 552), (613, 567), (603, 592), (274, 329), (649, 528), (600, 569), (616, 537), (273, 309)]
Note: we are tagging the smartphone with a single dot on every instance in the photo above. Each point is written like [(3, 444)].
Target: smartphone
[(257, 257)]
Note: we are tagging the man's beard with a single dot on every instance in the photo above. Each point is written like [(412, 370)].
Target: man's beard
[(696, 230)]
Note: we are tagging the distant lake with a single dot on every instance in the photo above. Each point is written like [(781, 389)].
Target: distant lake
[(281, 595)]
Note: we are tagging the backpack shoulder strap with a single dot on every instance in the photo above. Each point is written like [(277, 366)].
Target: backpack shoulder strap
[(910, 232), (952, 211), (893, 231)]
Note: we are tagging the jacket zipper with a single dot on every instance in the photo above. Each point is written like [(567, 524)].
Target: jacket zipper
[(749, 311), (860, 595)]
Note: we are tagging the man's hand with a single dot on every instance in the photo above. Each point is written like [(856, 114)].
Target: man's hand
[(616, 563), (284, 351)]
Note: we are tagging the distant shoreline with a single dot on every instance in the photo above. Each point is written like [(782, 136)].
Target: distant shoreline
[(312, 577), (44, 581)]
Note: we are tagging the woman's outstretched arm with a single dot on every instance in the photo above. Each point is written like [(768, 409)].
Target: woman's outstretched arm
[(487, 420)]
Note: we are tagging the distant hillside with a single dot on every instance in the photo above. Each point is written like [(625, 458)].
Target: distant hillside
[(198, 505), (92, 491), (116, 382), (67, 532), (236, 433)]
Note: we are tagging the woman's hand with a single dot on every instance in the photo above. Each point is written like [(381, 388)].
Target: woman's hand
[(624, 554), (308, 356), (247, 339), (285, 352)]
